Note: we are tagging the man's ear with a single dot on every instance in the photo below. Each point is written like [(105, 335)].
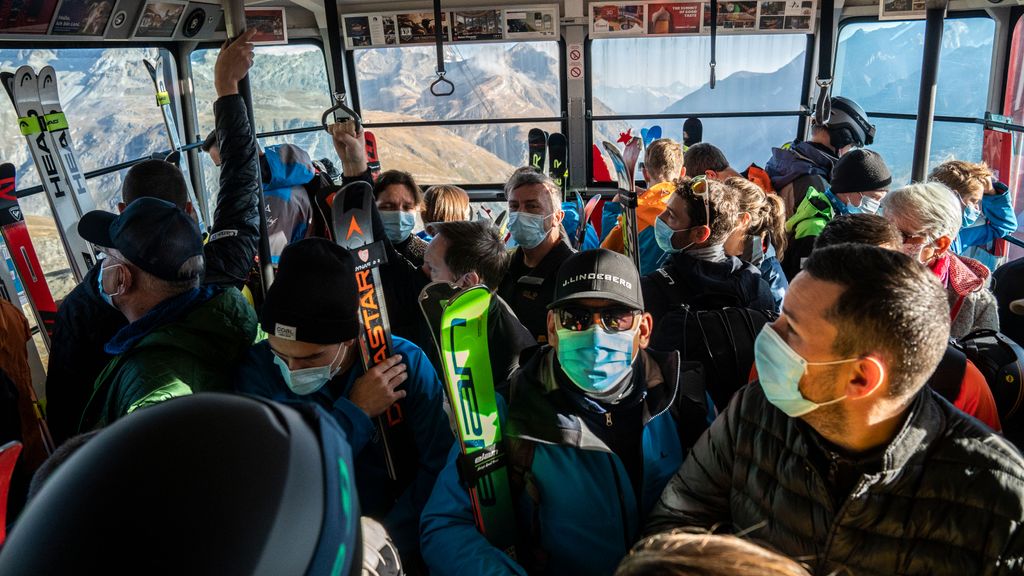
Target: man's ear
[(711, 174), (559, 215), (645, 330), (682, 172), (703, 233), (942, 244), (468, 280), (551, 323), (866, 379)]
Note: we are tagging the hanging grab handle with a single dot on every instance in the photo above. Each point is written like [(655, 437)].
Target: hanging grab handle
[(442, 86), (823, 106), (339, 100)]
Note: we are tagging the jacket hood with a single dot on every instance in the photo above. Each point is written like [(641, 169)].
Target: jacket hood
[(289, 166), (537, 412), (703, 278), (217, 330), (801, 159), (811, 216)]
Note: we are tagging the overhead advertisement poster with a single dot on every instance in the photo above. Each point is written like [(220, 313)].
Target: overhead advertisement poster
[(376, 30), (419, 28), (691, 18), (617, 20), (676, 18), (270, 24), (26, 16), (471, 25), (901, 9), (82, 17), (159, 19), (531, 23)]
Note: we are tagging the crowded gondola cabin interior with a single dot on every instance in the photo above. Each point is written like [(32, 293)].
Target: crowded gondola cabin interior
[(596, 287)]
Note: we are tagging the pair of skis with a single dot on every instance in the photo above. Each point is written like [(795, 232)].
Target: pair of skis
[(550, 151), (458, 322), (625, 170), (42, 121)]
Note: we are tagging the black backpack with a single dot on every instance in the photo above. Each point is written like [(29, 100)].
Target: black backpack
[(721, 340), (1001, 361)]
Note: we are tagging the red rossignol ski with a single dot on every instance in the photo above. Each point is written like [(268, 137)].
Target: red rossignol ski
[(372, 160), (19, 244)]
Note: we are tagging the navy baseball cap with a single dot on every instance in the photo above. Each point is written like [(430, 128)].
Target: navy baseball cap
[(153, 234), (598, 274)]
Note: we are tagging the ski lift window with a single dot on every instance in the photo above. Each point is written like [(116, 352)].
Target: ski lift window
[(290, 91), (501, 81), (669, 75), (878, 64), (110, 103)]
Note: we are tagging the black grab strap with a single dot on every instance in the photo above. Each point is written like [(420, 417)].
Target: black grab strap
[(823, 107), (442, 86), (714, 38)]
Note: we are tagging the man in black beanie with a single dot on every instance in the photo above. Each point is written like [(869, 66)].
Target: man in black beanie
[(860, 179), (311, 316)]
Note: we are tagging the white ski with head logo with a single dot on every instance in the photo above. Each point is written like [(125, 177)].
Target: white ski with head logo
[(23, 88), (57, 125)]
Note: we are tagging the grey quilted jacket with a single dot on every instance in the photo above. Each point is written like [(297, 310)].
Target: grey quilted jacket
[(948, 498)]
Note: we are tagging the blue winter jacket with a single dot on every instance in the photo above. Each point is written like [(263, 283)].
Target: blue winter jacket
[(587, 515), (286, 168), (422, 407), (999, 221), (571, 221), (799, 159)]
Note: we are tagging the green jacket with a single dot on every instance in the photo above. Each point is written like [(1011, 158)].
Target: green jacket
[(196, 352)]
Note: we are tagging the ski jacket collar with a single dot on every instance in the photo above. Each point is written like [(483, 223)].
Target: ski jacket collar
[(800, 159), (540, 412), (164, 313)]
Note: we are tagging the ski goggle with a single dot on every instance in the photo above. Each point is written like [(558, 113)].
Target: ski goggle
[(698, 187), (613, 318)]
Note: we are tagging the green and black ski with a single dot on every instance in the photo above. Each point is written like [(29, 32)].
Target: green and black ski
[(558, 160), (458, 322), (537, 143)]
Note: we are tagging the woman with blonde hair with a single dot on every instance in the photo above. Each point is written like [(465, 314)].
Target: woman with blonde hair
[(445, 203), (760, 235)]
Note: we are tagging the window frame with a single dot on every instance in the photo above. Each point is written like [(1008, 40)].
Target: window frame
[(801, 115), (22, 44), (562, 119)]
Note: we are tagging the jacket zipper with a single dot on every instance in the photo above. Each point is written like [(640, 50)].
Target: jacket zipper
[(626, 540), (838, 515)]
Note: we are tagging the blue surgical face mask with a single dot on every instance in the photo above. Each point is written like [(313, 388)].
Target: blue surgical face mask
[(780, 369), (528, 230), (398, 224), (308, 380), (663, 234), (595, 360), (108, 298), (971, 215)]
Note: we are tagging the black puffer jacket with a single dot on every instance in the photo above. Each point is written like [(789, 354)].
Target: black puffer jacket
[(948, 497), (85, 322), (704, 285)]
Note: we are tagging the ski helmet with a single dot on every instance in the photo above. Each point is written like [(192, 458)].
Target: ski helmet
[(204, 484), (849, 124)]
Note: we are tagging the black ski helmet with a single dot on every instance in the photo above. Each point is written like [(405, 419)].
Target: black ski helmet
[(204, 484), (849, 124)]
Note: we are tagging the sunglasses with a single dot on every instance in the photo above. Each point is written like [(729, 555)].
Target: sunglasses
[(613, 318), (699, 187)]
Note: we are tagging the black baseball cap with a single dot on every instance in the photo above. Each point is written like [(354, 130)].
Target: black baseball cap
[(152, 234), (598, 274)]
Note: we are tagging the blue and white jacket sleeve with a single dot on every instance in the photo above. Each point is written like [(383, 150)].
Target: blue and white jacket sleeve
[(1000, 220)]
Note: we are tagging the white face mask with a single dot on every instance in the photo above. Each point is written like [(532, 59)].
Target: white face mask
[(305, 381)]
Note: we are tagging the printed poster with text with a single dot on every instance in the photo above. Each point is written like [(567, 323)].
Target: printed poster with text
[(615, 20), (26, 16), (419, 27), (675, 18)]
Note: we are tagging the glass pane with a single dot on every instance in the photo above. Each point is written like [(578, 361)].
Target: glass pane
[(289, 87), (878, 64), (109, 100), (744, 141), (504, 80), (894, 140), (645, 75), (456, 154)]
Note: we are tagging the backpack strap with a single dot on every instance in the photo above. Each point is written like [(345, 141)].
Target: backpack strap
[(520, 477), (691, 409), (949, 374)]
